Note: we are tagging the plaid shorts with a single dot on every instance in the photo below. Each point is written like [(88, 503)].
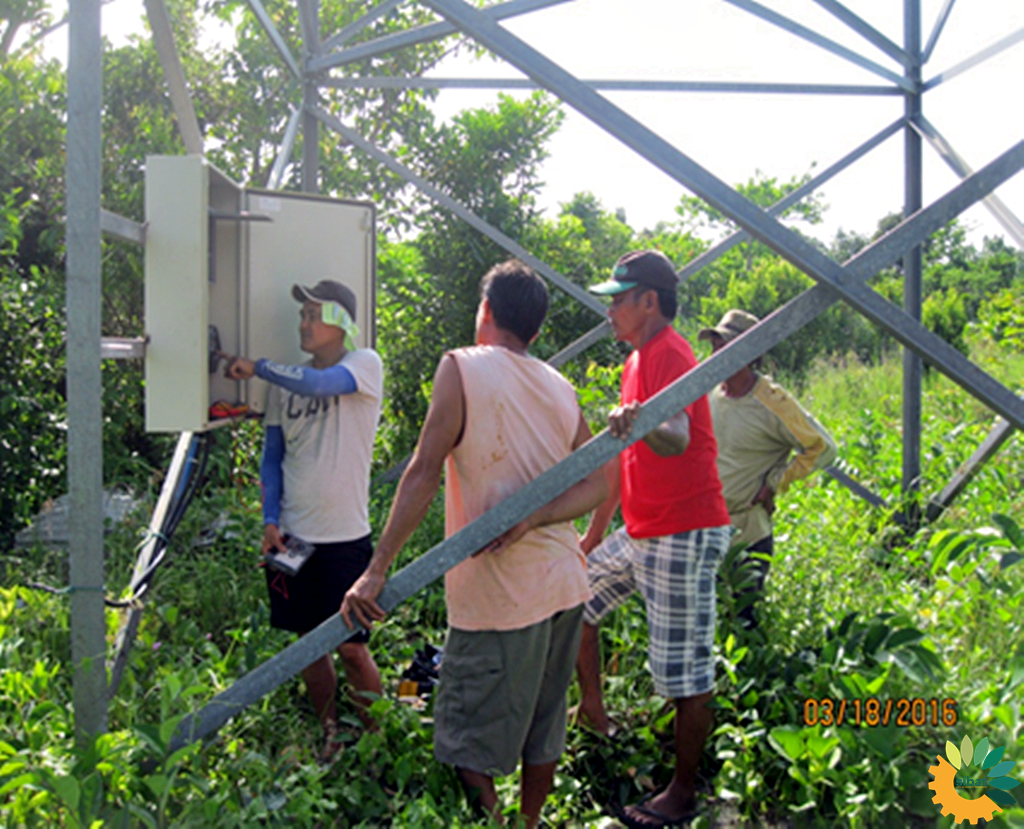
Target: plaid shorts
[(676, 576)]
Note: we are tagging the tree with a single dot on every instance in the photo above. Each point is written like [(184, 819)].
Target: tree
[(487, 159)]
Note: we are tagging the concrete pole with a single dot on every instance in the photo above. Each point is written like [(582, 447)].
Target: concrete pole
[(912, 259), (85, 400)]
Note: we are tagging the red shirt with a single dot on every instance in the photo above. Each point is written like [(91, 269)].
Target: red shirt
[(664, 496)]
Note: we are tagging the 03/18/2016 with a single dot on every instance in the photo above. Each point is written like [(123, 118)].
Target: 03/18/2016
[(903, 711)]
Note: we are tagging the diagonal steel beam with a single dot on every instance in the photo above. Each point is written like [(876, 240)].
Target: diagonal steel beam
[(772, 330), (719, 195), (389, 82), (992, 50), (354, 28), (581, 344), (940, 22), (275, 37), (996, 206), (463, 212), (287, 145), (996, 437), (181, 100), (795, 28), (422, 34), (856, 487), (866, 30), (727, 244)]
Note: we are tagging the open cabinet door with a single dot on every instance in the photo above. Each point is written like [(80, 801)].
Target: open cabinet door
[(308, 238)]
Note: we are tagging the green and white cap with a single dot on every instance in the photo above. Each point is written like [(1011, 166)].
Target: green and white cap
[(338, 306), (650, 268)]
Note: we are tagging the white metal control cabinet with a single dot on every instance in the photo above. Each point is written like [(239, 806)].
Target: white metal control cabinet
[(221, 260)]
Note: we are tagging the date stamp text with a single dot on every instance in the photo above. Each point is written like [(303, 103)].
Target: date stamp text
[(872, 712)]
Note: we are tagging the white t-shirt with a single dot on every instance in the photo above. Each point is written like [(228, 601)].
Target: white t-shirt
[(328, 447)]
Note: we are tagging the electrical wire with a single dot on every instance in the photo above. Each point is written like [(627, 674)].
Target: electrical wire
[(188, 485)]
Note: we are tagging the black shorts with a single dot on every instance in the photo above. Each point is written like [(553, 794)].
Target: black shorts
[(300, 603)]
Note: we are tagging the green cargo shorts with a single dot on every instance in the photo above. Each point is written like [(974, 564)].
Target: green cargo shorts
[(501, 697)]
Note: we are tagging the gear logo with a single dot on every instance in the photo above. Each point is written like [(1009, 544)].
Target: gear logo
[(955, 774)]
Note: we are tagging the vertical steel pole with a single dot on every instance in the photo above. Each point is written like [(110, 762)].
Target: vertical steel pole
[(310, 142), (85, 403), (310, 99), (912, 258)]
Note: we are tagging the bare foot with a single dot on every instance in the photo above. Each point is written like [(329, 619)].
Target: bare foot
[(333, 744), (661, 810)]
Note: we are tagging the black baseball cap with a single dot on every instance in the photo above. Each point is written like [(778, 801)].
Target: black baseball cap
[(327, 290), (650, 268)]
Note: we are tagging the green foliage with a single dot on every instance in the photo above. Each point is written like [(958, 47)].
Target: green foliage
[(944, 313), (248, 116), (1002, 320), (762, 190), (32, 407)]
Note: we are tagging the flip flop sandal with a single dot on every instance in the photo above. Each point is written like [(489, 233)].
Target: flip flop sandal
[(657, 820)]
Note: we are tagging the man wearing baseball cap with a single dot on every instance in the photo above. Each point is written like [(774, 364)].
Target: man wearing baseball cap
[(321, 418), (676, 529), (766, 441)]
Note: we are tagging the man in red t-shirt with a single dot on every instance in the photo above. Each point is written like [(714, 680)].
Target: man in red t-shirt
[(676, 529)]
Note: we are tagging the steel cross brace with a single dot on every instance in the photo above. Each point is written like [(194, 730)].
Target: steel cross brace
[(611, 84), (1002, 213), (795, 28), (733, 239), (420, 34), (772, 330), (997, 436), (463, 212), (865, 30), (181, 100), (719, 195)]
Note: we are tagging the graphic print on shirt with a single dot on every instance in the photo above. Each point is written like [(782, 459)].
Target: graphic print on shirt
[(299, 406)]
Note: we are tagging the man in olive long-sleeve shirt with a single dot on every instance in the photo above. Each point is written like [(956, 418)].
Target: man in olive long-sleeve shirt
[(766, 440)]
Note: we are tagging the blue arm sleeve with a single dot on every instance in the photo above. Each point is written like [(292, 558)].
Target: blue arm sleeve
[(271, 476), (309, 382)]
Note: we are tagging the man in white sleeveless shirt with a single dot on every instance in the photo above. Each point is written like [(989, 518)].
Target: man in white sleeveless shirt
[(499, 418)]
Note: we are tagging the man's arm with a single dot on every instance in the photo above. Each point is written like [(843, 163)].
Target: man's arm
[(304, 380), (605, 512), (420, 482), (577, 500), (272, 483), (813, 446), (670, 438)]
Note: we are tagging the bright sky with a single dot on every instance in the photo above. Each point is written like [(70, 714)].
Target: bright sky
[(733, 135)]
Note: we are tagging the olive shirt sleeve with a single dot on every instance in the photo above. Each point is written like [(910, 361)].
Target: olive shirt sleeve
[(813, 446)]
